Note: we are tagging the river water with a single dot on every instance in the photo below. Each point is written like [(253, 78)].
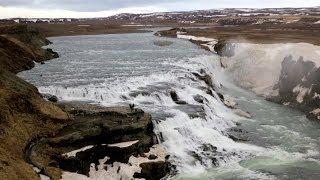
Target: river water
[(129, 68)]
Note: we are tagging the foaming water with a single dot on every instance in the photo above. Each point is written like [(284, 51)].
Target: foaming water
[(121, 69)]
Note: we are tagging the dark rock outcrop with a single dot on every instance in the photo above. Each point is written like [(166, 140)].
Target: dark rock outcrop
[(98, 126), (170, 33), (23, 44), (198, 98), (175, 98), (205, 78), (225, 48), (50, 97), (237, 134), (153, 170), (299, 86)]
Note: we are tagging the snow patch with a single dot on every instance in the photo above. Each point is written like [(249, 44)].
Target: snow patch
[(117, 170), (73, 153), (316, 95), (302, 91), (123, 144), (318, 22), (316, 112), (195, 38)]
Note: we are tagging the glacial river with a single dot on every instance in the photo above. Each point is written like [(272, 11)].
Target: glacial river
[(129, 68)]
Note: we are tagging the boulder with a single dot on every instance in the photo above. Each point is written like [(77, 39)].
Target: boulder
[(242, 113), (50, 54), (198, 98), (237, 134), (152, 157), (153, 170), (50, 97), (206, 78), (175, 98), (229, 102)]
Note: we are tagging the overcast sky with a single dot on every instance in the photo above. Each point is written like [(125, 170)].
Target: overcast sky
[(102, 8)]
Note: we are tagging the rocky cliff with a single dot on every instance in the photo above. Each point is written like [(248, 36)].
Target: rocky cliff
[(287, 74), (23, 112), (299, 86), (23, 44)]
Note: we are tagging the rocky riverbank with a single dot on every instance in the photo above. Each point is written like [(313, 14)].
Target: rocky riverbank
[(289, 80), (40, 138)]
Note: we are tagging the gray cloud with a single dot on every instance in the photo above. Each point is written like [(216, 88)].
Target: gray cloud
[(81, 5), (101, 5)]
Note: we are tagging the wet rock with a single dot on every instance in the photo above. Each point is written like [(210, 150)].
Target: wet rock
[(153, 170), (209, 91), (50, 97), (152, 157), (50, 54), (181, 102), (198, 98), (193, 111), (96, 123), (221, 96), (100, 127), (196, 156), (209, 147), (229, 102), (176, 99), (206, 78), (174, 96), (137, 93), (237, 134), (123, 97), (242, 113), (225, 48)]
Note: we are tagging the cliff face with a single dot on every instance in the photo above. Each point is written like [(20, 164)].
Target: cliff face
[(20, 46), (287, 74), (23, 112), (299, 86)]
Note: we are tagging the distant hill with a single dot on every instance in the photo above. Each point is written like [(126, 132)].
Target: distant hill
[(184, 17)]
